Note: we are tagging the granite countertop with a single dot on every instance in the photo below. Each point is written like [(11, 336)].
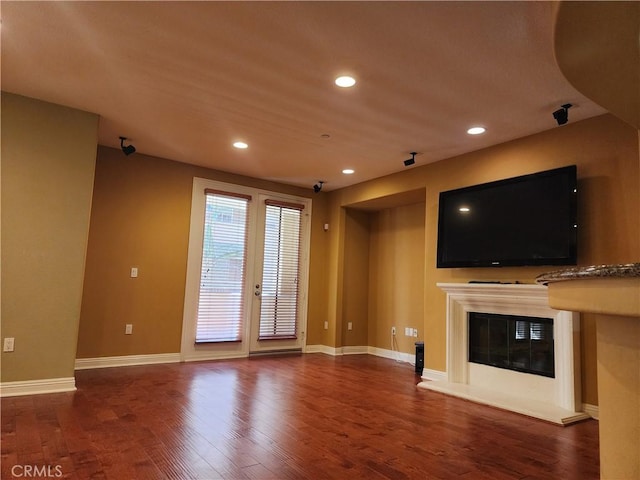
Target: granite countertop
[(621, 270)]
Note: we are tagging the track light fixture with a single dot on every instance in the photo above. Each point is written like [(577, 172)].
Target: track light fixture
[(318, 186), (126, 149), (562, 115), (410, 161)]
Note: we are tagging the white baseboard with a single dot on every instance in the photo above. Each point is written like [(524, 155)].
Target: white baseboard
[(434, 375), (591, 410), (36, 387), (392, 354), (126, 360), (361, 350), (334, 352), (355, 350)]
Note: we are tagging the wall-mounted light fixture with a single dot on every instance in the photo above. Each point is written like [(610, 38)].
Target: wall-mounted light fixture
[(126, 149)]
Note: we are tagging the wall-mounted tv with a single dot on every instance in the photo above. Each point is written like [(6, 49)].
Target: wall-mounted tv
[(526, 220)]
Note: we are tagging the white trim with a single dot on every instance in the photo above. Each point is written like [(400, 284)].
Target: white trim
[(434, 375), (363, 349), (126, 360), (392, 354), (319, 349), (592, 410), (334, 352), (36, 387), (355, 350)]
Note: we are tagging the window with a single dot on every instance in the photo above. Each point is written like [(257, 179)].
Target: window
[(280, 278), (222, 275)]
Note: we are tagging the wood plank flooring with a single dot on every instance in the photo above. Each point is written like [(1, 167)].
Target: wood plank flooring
[(298, 417)]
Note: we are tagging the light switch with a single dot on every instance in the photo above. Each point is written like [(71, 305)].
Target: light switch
[(134, 272)]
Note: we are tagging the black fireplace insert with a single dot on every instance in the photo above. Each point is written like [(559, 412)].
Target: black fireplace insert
[(523, 344)]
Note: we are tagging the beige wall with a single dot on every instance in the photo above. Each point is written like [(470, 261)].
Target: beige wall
[(140, 218), (396, 287), (605, 150), (356, 279), (48, 161)]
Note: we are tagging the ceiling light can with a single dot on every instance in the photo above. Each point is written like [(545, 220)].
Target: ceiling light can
[(348, 171), (345, 81), (240, 145), (476, 130)]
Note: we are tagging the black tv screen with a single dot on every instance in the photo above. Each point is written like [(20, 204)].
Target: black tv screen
[(526, 220)]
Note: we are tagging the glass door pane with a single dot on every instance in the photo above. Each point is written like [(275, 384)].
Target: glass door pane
[(281, 266), (221, 299)]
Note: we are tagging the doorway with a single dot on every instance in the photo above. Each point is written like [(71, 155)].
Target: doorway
[(247, 272)]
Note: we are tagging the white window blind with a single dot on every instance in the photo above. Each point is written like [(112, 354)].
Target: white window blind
[(279, 306), (224, 258)]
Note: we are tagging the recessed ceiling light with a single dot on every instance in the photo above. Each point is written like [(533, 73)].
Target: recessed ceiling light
[(476, 130), (240, 145), (348, 171), (345, 81)]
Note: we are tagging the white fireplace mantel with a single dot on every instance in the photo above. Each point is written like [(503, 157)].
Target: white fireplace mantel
[(556, 399)]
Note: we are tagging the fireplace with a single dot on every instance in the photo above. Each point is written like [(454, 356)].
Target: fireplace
[(543, 378)]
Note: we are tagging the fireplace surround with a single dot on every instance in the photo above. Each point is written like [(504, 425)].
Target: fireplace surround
[(556, 399)]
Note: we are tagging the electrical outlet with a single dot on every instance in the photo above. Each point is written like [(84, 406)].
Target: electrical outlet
[(415, 332), (393, 331), (9, 344), (134, 272), (128, 329), (350, 326)]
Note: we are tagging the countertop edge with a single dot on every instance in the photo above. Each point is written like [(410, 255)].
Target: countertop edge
[(620, 270)]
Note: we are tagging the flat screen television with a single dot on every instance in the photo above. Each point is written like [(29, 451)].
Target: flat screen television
[(526, 220)]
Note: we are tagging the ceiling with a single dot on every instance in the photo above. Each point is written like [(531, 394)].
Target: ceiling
[(184, 80)]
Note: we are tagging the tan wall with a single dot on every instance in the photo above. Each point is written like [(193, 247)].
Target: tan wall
[(356, 278), (140, 218), (605, 150), (48, 161), (396, 289)]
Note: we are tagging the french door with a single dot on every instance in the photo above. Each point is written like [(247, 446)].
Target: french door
[(247, 272)]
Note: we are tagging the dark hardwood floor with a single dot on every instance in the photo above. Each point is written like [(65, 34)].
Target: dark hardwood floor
[(299, 417)]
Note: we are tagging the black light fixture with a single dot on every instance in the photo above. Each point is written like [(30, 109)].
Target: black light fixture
[(410, 161), (562, 114), (126, 149), (318, 186)]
